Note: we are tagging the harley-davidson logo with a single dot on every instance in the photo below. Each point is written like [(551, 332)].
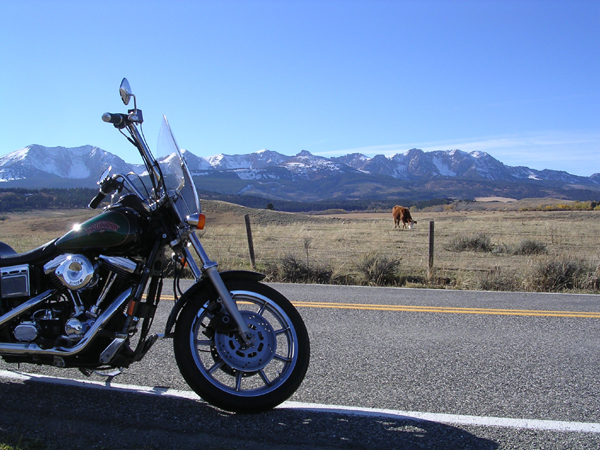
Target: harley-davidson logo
[(101, 227)]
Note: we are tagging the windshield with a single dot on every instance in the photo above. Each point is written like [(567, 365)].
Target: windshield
[(177, 177)]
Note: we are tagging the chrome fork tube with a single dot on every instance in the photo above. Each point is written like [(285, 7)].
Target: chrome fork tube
[(146, 153), (210, 269)]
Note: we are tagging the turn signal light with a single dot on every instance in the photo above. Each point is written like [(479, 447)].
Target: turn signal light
[(197, 221)]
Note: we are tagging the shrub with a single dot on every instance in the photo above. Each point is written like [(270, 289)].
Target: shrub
[(557, 276), (294, 270), (501, 248), (477, 243), (495, 280), (529, 247), (592, 280), (378, 270), (343, 279)]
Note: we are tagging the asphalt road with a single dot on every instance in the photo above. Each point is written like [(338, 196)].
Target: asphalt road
[(487, 371)]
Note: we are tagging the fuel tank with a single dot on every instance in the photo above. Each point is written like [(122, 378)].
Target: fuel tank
[(114, 231)]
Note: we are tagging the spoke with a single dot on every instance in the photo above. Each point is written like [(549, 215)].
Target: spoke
[(262, 309), (282, 331), (205, 342), (217, 365), (283, 358), (238, 381)]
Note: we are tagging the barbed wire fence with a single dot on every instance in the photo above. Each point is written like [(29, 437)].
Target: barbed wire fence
[(342, 243)]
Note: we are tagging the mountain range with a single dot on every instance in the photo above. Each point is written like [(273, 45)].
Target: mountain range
[(414, 175)]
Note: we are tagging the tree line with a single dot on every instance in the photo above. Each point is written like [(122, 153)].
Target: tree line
[(322, 205), (20, 199)]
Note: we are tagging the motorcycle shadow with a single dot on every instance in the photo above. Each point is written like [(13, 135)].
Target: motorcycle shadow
[(58, 416)]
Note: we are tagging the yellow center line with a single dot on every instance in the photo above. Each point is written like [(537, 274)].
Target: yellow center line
[(450, 310), (445, 309)]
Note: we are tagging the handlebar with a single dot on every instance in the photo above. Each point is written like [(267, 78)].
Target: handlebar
[(96, 200), (117, 119), (133, 121), (107, 186), (116, 183)]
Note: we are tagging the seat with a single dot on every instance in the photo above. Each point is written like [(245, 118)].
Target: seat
[(8, 257)]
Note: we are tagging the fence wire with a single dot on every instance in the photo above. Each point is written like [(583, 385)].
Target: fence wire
[(343, 242)]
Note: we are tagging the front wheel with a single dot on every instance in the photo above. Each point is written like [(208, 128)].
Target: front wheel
[(229, 375)]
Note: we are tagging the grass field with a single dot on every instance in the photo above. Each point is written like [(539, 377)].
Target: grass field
[(342, 245)]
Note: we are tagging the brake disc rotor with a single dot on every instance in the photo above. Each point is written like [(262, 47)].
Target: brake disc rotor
[(232, 350)]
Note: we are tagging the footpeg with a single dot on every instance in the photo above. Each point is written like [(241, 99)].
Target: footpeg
[(109, 353)]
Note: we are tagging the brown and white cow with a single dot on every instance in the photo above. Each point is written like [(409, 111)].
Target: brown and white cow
[(402, 214)]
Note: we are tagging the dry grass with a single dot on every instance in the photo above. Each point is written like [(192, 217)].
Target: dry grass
[(340, 245), (28, 230), (343, 241)]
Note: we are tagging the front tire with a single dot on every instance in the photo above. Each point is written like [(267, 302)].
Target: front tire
[(219, 369)]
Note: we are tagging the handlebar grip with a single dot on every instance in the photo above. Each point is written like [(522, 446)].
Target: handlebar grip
[(118, 120), (97, 200)]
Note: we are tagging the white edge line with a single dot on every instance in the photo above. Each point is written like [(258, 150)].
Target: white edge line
[(160, 391), (454, 419)]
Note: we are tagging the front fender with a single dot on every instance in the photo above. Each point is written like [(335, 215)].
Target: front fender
[(205, 283)]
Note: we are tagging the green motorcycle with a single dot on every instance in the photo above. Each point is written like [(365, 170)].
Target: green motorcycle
[(88, 298)]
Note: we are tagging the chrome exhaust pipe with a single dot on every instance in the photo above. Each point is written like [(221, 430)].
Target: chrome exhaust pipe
[(26, 306), (30, 348)]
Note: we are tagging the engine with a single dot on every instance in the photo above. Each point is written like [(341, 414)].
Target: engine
[(73, 271), (83, 287)]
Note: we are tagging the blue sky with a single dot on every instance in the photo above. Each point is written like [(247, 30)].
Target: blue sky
[(517, 79)]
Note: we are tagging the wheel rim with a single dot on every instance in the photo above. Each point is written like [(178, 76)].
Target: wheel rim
[(248, 359), (253, 371)]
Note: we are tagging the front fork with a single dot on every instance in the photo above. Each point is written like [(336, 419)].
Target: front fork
[(210, 269)]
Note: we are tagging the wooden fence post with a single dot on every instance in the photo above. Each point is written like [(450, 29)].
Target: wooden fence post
[(250, 243), (431, 235)]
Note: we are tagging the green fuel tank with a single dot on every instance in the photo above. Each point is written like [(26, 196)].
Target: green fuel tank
[(114, 231)]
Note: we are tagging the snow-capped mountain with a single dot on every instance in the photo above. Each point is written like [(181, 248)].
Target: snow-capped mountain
[(308, 166), (257, 160), (310, 177), (39, 166), (196, 163), (417, 165)]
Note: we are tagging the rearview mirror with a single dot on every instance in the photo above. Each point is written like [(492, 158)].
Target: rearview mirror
[(125, 91)]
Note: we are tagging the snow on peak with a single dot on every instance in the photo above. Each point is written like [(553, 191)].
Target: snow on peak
[(443, 168), (74, 163), (215, 159)]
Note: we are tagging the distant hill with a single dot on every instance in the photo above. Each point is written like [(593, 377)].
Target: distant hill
[(416, 175)]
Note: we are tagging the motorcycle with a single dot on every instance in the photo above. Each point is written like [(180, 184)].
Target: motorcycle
[(88, 299)]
